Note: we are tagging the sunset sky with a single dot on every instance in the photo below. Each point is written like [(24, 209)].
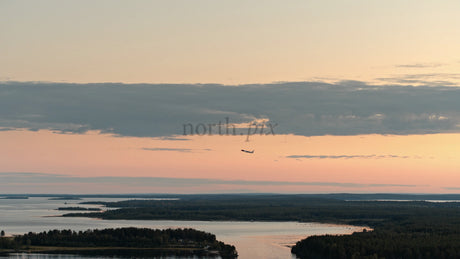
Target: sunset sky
[(128, 96)]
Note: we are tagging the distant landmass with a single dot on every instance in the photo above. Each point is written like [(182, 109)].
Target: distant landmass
[(340, 196), (14, 198), (79, 208), (404, 226)]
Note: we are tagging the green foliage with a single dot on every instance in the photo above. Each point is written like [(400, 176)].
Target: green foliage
[(408, 230), (6, 243), (385, 242), (142, 238), (270, 208), (412, 229), (79, 208)]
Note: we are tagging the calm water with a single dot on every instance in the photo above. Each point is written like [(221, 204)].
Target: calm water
[(269, 240)]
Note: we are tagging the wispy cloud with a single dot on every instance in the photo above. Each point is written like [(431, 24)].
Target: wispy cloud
[(175, 149), (24, 182), (426, 79), (173, 138), (345, 156), (421, 65), (168, 149), (301, 108), (452, 188)]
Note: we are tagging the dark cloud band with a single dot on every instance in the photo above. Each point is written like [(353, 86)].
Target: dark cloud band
[(161, 110)]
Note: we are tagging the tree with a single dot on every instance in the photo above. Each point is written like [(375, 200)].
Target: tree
[(2, 234)]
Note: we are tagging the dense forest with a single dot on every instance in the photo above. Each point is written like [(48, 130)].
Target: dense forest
[(147, 242), (424, 236), (79, 208), (402, 229), (301, 208), (381, 244)]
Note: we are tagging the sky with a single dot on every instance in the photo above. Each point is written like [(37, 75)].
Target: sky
[(161, 96)]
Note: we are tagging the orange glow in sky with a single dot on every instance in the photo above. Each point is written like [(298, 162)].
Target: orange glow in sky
[(315, 67), (371, 163)]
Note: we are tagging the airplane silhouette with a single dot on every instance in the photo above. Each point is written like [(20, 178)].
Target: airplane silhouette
[(247, 151)]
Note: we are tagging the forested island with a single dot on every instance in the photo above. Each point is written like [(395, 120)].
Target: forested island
[(402, 229), (79, 208), (14, 198), (138, 242)]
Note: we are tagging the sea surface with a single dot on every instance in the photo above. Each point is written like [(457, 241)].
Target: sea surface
[(270, 240)]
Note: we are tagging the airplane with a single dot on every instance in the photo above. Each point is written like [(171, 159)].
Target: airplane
[(247, 151)]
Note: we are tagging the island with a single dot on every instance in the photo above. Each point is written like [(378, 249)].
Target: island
[(14, 198), (137, 242), (406, 228), (79, 208)]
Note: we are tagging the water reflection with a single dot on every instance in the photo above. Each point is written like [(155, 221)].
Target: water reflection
[(270, 240)]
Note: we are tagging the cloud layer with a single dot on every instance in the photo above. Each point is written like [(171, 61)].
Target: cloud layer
[(303, 108), (345, 156), (53, 183)]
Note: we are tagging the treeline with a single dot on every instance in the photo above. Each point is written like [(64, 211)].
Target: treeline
[(142, 238), (271, 208), (340, 196), (14, 198), (381, 243), (79, 208), (407, 229), (415, 232)]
